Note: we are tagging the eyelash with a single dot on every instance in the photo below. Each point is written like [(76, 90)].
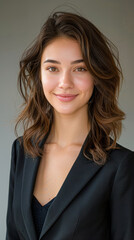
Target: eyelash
[(76, 68)]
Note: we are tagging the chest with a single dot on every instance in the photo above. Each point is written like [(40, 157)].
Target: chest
[(54, 167)]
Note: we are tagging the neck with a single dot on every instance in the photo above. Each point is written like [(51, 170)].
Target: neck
[(69, 129)]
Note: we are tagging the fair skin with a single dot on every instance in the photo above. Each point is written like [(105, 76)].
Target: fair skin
[(67, 78), (71, 124)]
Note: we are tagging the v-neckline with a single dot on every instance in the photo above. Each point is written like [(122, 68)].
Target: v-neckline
[(40, 205)]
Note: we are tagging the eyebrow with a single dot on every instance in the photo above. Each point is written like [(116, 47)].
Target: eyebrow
[(54, 61)]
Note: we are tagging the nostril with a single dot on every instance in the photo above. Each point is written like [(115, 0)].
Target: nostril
[(65, 83)]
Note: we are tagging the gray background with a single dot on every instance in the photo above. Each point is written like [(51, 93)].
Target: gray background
[(20, 22)]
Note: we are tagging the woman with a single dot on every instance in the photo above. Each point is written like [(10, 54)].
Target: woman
[(69, 178)]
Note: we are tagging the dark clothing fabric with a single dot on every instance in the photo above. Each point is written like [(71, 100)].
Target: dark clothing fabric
[(94, 202), (39, 213)]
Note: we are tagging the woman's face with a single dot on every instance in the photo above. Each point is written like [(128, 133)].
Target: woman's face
[(67, 84)]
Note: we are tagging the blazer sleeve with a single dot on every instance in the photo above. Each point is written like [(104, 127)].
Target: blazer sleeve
[(122, 201), (11, 232)]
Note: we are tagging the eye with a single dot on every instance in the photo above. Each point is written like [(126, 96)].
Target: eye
[(81, 69), (52, 69)]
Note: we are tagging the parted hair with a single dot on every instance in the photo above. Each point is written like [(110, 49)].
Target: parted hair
[(101, 59)]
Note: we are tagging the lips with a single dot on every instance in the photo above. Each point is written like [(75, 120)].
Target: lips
[(66, 97)]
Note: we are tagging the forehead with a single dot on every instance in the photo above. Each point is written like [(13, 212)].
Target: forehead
[(62, 47)]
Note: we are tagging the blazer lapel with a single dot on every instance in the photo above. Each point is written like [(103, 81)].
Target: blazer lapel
[(29, 175), (81, 172), (30, 168)]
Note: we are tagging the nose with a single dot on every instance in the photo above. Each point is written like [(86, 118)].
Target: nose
[(65, 80)]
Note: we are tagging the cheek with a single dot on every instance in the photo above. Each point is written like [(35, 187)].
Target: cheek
[(48, 83), (86, 84)]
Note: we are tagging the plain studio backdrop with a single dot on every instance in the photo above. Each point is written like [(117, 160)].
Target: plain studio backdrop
[(20, 22)]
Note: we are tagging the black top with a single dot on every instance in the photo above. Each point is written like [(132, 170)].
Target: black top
[(95, 201), (39, 213)]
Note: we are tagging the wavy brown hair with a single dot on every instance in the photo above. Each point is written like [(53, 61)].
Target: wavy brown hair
[(102, 62)]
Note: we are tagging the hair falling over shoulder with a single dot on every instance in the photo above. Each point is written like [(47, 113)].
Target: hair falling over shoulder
[(101, 59)]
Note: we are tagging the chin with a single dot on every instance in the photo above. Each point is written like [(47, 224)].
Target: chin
[(65, 111)]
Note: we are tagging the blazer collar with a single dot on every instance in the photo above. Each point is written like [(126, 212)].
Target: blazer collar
[(81, 172)]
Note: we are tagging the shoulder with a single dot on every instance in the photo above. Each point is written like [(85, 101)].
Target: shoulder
[(120, 152), (17, 144), (18, 155), (120, 156)]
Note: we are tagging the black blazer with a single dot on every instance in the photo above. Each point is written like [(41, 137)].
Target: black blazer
[(94, 203)]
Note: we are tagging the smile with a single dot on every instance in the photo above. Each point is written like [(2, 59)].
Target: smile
[(65, 97)]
